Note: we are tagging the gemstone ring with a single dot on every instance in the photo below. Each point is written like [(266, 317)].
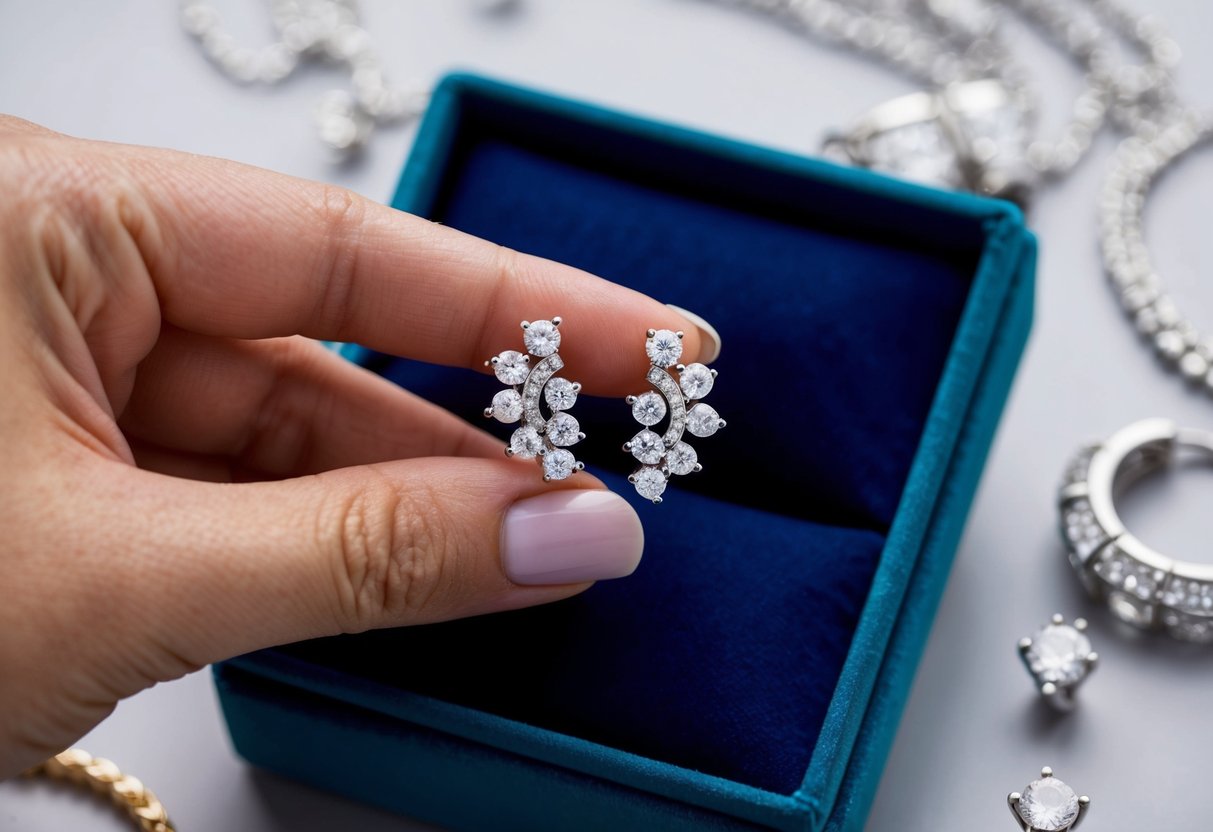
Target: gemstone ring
[(1059, 658), (1139, 585), (1048, 805)]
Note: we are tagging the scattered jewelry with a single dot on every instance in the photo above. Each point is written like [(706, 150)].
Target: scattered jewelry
[(1139, 585), (662, 455), (538, 438), (1048, 805), (1059, 657)]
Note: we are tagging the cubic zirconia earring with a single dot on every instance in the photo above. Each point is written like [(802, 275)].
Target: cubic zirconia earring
[(661, 455), (1048, 805), (545, 439), (1059, 657)]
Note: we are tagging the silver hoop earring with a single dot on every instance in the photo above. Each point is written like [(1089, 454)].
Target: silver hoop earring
[(1140, 585), (546, 439), (663, 455)]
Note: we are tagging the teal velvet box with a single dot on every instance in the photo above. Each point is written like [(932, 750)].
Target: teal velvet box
[(752, 672)]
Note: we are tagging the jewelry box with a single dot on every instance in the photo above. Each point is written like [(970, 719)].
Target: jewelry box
[(752, 672)]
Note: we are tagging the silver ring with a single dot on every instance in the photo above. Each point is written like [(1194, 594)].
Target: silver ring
[(1139, 585)]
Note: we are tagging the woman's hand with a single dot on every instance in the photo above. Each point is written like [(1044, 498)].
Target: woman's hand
[(183, 478)]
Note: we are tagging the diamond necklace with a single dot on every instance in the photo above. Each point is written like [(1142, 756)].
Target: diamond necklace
[(973, 127), (324, 30)]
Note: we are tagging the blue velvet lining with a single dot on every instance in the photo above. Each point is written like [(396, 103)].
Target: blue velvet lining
[(723, 652)]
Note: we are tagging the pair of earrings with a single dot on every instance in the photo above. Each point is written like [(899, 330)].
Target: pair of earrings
[(548, 439)]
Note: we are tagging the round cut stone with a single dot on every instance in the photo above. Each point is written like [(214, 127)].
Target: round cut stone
[(563, 430), (1049, 805), (526, 443), (511, 367), (681, 459), (664, 348), (1058, 654), (696, 381), (649, 408), (542, 338), (703, 420), (647, 447), (649, 482), (507, 406), (559, 464), (560, 394)]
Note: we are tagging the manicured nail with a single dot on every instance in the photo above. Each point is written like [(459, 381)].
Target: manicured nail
[(567, 537), (711, 338)]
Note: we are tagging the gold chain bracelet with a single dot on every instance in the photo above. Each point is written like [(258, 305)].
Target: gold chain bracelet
[(78, 766)]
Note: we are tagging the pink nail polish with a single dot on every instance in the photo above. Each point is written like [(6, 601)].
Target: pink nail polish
[(570, 536)]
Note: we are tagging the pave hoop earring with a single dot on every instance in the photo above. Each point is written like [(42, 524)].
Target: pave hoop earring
[(661, 455), (1141, 586), (545, 439)]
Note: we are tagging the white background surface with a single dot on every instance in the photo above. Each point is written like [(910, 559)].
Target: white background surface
[(1142, 743)]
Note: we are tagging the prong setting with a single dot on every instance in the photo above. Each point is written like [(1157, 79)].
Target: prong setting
[(1059, 658), (1047, 805)]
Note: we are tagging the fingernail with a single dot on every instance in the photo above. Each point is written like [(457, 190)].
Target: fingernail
[(711, 338), (568, 537)]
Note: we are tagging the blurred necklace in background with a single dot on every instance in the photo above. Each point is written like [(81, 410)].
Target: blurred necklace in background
[(322, 30), (974, 126)]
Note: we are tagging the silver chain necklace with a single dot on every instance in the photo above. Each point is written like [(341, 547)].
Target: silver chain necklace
[(974, 127), (1138, 162), (321, 30)]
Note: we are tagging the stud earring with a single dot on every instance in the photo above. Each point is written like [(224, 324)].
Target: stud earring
[(1048, 805), (661, 455), (545, 439), (1059, 658)]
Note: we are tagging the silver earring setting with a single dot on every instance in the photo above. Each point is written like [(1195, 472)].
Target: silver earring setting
[(662, 455), (1059, 658), (1048, 805), (545, 439)]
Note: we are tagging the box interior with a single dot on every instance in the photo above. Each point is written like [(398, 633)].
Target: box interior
[(722, 654)]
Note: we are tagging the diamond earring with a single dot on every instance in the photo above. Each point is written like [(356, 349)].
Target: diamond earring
[(661, 455), (1048, 805), (545, 439), (1059, 657)]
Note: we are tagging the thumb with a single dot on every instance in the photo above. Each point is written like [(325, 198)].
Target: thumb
[(384, 545)]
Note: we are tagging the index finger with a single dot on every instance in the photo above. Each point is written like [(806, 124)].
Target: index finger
[(247, 253)]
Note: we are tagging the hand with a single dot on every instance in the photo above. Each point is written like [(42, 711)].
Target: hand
[(184, 478)]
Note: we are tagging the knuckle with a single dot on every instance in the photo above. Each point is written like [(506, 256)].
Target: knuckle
[(340, 214), (390, 550), (79, 213)]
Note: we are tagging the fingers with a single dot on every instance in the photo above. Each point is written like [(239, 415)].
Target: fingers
[(246, 253), (387, 545), (283, 407)]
